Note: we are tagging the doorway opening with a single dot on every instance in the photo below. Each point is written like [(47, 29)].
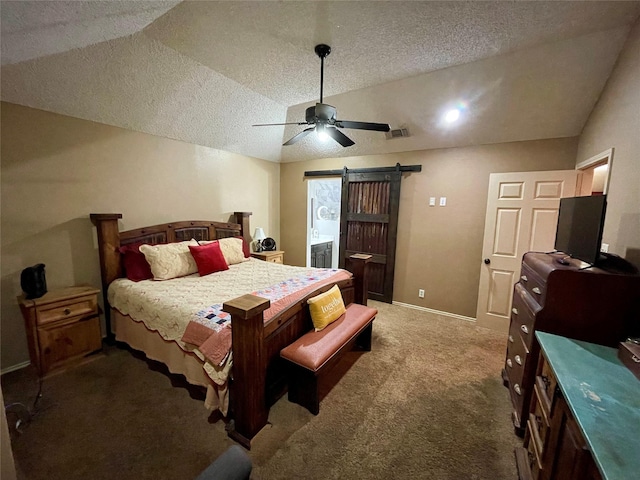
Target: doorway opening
[(323, 222), (596, 172)]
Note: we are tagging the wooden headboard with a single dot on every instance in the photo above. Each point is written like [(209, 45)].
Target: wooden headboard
[(110, 239)]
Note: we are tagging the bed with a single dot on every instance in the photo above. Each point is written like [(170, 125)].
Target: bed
[(245, 383)]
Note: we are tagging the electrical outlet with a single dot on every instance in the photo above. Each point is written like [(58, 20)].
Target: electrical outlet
[(432, 201), (604, 248), (421, 293)]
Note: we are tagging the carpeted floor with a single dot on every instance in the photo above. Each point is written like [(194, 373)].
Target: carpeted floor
[(426, 403)]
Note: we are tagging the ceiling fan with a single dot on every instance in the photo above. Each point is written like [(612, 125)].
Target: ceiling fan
[(323, 116)]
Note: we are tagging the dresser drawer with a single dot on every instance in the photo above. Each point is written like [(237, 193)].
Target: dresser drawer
[(516, 357), (517, 392), (534, 448), (76, 309), (533, 284), (515, 365), (539, 419), (523, 312), (545, 386)]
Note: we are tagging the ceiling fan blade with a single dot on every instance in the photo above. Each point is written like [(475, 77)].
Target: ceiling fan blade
[(378, 127), (339, 137), (299, 136), (274, 124)]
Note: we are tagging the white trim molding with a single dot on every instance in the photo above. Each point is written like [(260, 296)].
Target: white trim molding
[(600, 158), (15, 367), (435, 312)]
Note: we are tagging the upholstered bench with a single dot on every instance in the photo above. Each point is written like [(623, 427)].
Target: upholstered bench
[(315, 353)]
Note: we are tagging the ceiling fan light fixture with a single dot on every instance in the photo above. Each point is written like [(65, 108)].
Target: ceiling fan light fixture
[(323, 116), (321, 133)]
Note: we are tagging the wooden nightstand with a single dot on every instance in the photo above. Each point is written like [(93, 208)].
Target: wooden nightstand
[(274, 256), (63, 326)]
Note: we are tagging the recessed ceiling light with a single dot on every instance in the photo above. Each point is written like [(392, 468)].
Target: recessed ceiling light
[(452, 115)]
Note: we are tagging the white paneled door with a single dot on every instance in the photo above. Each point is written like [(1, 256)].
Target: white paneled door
[(522, 212)]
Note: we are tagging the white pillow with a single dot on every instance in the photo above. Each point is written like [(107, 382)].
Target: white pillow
[(232, 250), (170, 260)]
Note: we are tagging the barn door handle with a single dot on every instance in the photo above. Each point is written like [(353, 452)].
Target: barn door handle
[(487, 261)]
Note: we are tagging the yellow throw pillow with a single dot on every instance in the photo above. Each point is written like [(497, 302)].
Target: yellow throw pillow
[(326, 308)]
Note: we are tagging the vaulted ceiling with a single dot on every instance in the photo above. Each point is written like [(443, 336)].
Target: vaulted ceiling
[(203, 72)]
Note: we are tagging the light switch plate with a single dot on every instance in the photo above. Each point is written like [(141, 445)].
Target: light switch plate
[(443, 201), (432, 201)]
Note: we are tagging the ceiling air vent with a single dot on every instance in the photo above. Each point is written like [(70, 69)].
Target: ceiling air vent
[(397, 133)]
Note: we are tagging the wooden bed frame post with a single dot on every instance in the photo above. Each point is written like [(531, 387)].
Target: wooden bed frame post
[(358, 266), (108, 247), (249, 368), (242, 218)]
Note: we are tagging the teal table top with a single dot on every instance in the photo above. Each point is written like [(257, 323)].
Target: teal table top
[(604, 398)]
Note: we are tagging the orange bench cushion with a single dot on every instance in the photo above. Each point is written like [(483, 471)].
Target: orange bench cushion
[(313, 349)]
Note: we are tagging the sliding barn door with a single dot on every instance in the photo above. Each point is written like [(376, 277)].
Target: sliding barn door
[(369, 224)]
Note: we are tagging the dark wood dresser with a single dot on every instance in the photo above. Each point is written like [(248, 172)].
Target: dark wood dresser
[(584, 410), (597, 305)]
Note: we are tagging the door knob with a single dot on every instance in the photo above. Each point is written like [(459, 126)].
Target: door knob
[(487, 261)]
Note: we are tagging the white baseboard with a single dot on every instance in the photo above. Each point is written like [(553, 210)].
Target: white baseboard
[(436, 312), (15, 367)]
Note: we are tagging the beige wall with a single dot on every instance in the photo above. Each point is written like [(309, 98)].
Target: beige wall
[(615, 122), (56, 170), (439, 248)]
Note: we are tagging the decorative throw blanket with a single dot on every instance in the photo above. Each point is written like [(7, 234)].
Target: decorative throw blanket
[(210, 330)]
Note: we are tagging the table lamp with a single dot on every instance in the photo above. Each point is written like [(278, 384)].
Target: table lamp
[(258, 236)]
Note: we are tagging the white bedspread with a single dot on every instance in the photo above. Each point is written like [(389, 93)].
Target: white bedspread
[(168, 305)]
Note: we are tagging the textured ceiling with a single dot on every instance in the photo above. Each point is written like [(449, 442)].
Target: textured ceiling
[(203, 72)]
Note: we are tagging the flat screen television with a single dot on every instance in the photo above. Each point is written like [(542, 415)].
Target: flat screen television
[(580, 224)]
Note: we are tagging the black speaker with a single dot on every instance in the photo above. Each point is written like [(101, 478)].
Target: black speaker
[(33, 281)]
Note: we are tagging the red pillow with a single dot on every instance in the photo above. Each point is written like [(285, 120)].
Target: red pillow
[(209, 258), (136, 266), (245, 247)]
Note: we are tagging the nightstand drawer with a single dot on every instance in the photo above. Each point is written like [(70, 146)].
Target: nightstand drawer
[(64, 344), (272, 256), (80, 307)]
